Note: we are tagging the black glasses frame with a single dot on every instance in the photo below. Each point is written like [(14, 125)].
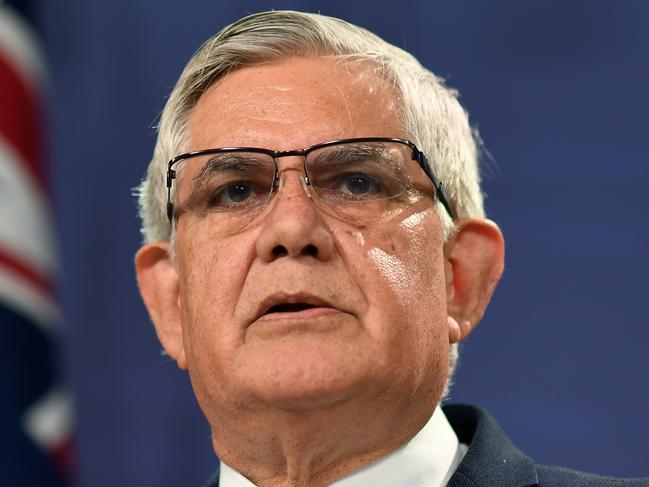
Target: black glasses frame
[(417, 155)]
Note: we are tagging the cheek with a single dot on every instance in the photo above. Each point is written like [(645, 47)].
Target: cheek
[(407, 260), (417, 260), (212, 268), (212, 273), (407, 277), (400, 269)]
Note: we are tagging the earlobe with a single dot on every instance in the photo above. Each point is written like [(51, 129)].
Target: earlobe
[(474, 261), (456, 331), (158, 282)]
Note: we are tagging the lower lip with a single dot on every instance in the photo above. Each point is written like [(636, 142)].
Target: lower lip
[(305, 314), (308, 322)]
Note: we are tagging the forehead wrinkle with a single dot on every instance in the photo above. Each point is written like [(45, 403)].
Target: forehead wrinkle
[(376, 82), (274, 106), (344, 99), (280, 109)]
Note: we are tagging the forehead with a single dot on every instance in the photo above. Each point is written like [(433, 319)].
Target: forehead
[(294, 103)]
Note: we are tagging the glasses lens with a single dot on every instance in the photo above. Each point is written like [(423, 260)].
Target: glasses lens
[(226, 182), (359, 172), (360, 181)]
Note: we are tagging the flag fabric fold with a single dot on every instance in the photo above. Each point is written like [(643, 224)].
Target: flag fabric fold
[(35, 419)]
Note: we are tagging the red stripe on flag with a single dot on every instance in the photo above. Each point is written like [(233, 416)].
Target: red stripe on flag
[(26, 272), (20, 118), (63, 456)]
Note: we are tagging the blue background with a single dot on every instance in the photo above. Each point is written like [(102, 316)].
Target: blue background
[(559, 92)]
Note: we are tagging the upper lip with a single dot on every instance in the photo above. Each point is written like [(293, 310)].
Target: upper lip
[(286, 298)]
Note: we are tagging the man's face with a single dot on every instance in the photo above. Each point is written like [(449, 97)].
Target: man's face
[(372, 323)]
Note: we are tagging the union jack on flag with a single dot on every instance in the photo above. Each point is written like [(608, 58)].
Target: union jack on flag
[(34, 409)]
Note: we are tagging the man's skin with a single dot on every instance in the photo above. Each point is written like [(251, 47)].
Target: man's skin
[(303, 398)]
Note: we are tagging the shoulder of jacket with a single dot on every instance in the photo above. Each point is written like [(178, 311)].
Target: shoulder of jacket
[(560, 476)]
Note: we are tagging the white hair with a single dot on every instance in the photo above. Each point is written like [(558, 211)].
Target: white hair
[(431, 114)]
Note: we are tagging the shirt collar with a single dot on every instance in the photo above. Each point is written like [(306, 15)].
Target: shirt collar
[(428, 459)]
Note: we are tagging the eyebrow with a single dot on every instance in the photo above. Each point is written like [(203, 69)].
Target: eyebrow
[(227, 162), (342, 155)]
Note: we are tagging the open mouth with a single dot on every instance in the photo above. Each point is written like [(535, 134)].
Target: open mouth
[(297, 306), (289, 308)]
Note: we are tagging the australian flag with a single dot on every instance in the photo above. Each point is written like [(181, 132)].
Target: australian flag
[(34, 408)]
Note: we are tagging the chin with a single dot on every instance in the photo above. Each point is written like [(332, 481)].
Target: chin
[(313, 375), (305, 399)]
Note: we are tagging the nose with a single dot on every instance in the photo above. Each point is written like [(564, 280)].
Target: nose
[(294, 227)]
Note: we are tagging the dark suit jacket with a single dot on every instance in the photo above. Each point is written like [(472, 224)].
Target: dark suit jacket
[(493, 461)]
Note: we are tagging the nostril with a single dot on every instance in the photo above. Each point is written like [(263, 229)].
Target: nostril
[(311, 250), (279, 251)]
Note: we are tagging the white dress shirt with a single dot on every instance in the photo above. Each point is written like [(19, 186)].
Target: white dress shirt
[(428, 460)]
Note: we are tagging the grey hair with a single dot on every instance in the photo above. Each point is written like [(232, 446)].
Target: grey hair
[(431, 114)]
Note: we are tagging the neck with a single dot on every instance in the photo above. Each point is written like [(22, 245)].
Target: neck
[(300, 448)]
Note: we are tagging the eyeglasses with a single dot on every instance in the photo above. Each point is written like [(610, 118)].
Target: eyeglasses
[(354, 177)]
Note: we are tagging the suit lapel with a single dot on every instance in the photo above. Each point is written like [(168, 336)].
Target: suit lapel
[(492, 459)]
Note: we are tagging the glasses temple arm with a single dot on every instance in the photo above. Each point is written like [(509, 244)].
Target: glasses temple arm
[(439, 185), (171, 174)]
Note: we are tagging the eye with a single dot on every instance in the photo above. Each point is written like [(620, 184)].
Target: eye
[(236, 195), (358, 185), (356, 173), (238, 192)]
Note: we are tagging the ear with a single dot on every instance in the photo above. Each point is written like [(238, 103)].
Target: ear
[(474, 263), (158, 282)]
